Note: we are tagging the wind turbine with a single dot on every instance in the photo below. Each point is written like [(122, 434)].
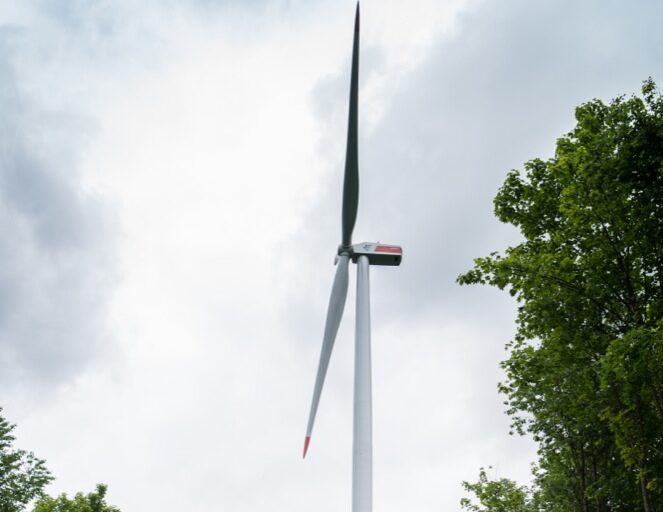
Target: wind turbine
[(364, 255)]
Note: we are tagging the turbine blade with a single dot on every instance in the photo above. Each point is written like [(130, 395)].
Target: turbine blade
[(351, 179), (334, 315)]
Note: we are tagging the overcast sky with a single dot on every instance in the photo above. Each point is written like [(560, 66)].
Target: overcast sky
[(170, 190)]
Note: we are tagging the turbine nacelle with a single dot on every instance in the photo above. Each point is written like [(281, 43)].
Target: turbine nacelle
[(377, 253)]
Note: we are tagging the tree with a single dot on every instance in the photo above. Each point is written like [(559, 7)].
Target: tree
[(632, 383), (23, 478), (501, 495), (92, 502), (22, 475), (585, 370)]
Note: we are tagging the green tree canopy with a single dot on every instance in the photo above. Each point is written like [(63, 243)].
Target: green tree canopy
[(501, 495), (585, 370), (23, 476), (92, 502)]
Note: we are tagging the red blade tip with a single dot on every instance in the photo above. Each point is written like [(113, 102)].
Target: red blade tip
[(306, 442)]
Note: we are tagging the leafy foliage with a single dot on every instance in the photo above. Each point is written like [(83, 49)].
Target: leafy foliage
[(23, 478), (22, 475), (496, 496), (92, 502), (632, 383), (585, 370)]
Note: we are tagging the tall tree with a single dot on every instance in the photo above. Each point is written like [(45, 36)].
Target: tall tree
[(585, 370), (23, 476)]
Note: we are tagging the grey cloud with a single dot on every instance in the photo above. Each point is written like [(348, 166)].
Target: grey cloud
[(97, 21), (56, 247), (497, 94)]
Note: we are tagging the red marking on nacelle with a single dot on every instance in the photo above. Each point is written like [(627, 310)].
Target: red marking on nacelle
[(389, 248)]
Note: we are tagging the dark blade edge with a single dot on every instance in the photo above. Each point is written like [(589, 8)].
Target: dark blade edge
[(351, 178)]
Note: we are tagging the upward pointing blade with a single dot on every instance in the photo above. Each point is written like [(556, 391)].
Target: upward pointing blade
[(351, 181), (334, 315)]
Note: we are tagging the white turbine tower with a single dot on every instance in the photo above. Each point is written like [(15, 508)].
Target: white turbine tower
[(364, 255)]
